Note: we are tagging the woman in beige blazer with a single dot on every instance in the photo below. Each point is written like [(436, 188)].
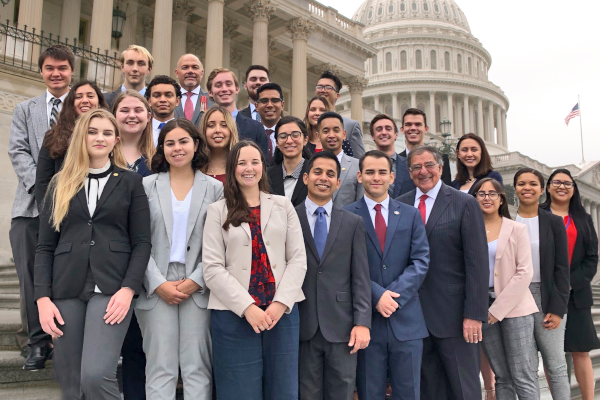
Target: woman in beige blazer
[(508, 337), (254, 263)]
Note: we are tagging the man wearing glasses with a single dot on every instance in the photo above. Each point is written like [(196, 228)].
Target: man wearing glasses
[(454, 294), (329, 86), (269, 105)]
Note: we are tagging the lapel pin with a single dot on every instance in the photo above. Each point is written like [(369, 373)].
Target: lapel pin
[(343, 169), (396, 212), (115, 174)]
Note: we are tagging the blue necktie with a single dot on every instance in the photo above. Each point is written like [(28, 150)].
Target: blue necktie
[(161, 125), (320, 231)]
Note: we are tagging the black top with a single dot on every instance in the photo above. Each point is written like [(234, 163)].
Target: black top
[(249, 129), (275, 174), (114, 242), (492, 174)]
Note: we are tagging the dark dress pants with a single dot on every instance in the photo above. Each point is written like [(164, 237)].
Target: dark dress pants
[(450, 369), (134, 363), (255, 366), (23, 240)]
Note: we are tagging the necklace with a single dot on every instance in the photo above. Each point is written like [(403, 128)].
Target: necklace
[(213, 171), (471, 180)]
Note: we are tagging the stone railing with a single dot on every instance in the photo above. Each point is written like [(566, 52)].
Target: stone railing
[(510, 160), (334, 18)]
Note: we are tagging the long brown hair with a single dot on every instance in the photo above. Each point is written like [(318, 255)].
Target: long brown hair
[(503, 209), (58, 137), (482, 169), (309, 128), (229, 121), (201, 155), (238, 210)]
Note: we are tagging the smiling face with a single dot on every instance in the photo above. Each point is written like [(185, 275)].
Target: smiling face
[(86, 99), (290, 147), (425, 171), (100, 140), (135, 69), (561, 194), (376, 177), (322, 180), (223, 89), (488, 205), (469, 153), (217, 132), (314, 112), (189, 72), (179, 148), (132, 115), (384, 135), (57, 75), (256, 78), (270, 112), (248, 171), (331, 95), (414, 130), (332, 134), (528, 189), (163, 101)]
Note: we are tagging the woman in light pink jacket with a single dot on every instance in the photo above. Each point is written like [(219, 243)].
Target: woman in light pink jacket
[(508, 337)]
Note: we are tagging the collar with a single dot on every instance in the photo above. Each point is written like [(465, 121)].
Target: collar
[(271, 129), (49, 96), (156, 123), (252, 107), (99, 170), (142, 91), (296, 173), (196, 91), (371, 203), (394, 157), (311, 206), (340, 156), (432, 193), (234, 114)]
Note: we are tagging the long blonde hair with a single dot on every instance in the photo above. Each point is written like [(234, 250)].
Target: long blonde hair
[(146, 144), (71, 178), (312, 134), (229, 121)]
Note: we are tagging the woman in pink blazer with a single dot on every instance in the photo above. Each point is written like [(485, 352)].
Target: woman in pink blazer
[(508, 337)]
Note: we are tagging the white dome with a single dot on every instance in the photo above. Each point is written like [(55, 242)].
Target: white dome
[(401, 12)]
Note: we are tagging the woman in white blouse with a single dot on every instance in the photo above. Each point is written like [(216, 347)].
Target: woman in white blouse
[(172, 308)]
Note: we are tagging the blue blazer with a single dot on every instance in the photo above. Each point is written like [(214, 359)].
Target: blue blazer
[(401, 267), (492, 174), (249, 129)]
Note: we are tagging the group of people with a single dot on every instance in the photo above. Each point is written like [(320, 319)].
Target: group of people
[(269, 257)]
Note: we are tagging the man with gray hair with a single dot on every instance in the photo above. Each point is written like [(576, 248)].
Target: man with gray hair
[(454, 294)]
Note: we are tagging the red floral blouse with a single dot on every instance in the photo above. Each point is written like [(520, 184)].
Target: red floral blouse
[(262, 281)]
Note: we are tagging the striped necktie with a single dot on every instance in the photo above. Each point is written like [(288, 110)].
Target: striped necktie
[(54, 111)]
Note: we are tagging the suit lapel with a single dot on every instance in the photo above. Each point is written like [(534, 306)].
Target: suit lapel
[(441, 202), (40, 118), (266, 205), (334, 227), (545, 231), (113, 180), (198, 194), (393, 220), (83, 200), (163, 187), (505, 232), (399, 179), (346, 163), (299, 184), (309, 241), (363, 211), (277, 181)]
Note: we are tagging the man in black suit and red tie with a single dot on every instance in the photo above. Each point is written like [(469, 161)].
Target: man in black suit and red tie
[(270, 105), (194, 100)]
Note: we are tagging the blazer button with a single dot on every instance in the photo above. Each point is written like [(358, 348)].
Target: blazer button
[(90, 222), (274, 266), (320, 271), (384, 267), (92, 243), (495, 274), (268, 243), (188, 248)]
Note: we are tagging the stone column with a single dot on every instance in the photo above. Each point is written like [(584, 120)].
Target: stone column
[(480, 129), (413, 99), (467, 111), (101, 28), (490, 123), (504, 132), (261, 11), (451, 113), (181, 11), (587, 205), (300, 28), (229, 27), (30, 14), (69, 20), (499, 125), (214, 36), (376, 102), (433, 128), (458, 118), (356, 85), (395, 111), (147, 30), (130, 27), (161, 44), (598, 219)]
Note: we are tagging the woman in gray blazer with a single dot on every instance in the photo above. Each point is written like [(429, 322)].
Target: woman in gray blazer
[(172, 308)]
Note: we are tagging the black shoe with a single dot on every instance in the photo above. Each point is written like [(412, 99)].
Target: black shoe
[(37, 358)]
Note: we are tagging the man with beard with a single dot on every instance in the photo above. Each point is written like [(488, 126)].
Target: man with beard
[(269, 105), (256, 76), (136, 64), (195, 101), (163, 94)]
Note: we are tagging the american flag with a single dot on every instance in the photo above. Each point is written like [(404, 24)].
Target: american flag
[(574, 113)]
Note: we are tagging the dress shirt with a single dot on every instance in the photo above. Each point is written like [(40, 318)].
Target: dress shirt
[(254, 112), (492, 249), (181, 212), (533, 228), (432, 195), (184, 95), (311, 209), (234, 114), (385, 208), (289, 181), (272, 137), (339, 156), (155, 131), (142, 92), (49, 97)]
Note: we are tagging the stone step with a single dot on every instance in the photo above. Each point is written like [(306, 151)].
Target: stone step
[(10, 322), (10, 301), (8, 275), (9, 287), (45, 391), (12, 374)]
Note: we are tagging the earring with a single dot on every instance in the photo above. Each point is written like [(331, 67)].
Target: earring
[(111, 154)]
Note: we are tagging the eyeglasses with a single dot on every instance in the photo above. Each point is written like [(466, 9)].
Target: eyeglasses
[(430, 166), (274, 101), (282, 137), (327, 88), (566, 184), (491, 194)]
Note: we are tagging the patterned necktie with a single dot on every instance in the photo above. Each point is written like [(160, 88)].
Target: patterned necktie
[(257, 115), (188, 111), (380, 227), (423, 208), (54, 111), (269, 131), (320, 231)]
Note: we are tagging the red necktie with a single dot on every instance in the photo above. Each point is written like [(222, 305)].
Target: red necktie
[(188, 111), (270, 157), (380, 227), (423, 208)]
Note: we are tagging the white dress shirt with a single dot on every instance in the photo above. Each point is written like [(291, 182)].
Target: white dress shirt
[(430, 200), (290, 181), (533, 228), (184, 97), (49, 104), (272, 137), (253, 112), (385, 208), (340, 156), (155, 131), (311, 207), (181, 212), (142, 91)]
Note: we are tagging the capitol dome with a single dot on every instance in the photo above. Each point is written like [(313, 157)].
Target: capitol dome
[(427, 58)]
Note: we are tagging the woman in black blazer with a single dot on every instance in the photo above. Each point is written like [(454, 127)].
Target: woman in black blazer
[(563, 200), (84, 96), (290, 157), (550, 283), (93, 249), (473, 163)]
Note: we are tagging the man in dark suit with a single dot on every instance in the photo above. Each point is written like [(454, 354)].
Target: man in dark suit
[(335, 318), (414, 127), (256, 76), (454, 294), (398, 255), (269, 106), (194, 100), (223, 87), (136, 64)]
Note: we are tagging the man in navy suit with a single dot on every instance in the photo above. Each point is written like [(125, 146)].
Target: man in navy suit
[(398, 255), (223, 87)]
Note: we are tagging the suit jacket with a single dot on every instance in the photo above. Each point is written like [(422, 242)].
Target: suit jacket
[(513, 271), (47, 167), (456, 286), (403, 183), (111, 96), (401, 267), (492, 174), (275, 174), (249, 129), (350, 190), (27, 130), (205, 191), (246, 112), (355, 136), (227, 255), (584, 263), (197, 116), (337, 286), (114, 242)]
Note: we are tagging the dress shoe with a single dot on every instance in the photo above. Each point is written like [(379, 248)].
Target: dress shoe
[(38, 355)]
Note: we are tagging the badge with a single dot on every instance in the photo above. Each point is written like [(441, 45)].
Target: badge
[(115, 174), (396, 212)]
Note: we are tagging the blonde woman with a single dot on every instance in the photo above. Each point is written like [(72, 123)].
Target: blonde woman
[(220, 131), (93, 249)]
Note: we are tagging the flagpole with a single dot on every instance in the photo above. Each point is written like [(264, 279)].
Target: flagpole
[(581, 130)]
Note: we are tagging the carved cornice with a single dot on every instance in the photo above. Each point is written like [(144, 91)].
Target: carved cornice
[(319, 69), (261, 10), (9, 101), (300, 28), (272, 42), (148, 26), (349, 46), (229, 27), (181, 10), (194, 42), (356, 84)]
